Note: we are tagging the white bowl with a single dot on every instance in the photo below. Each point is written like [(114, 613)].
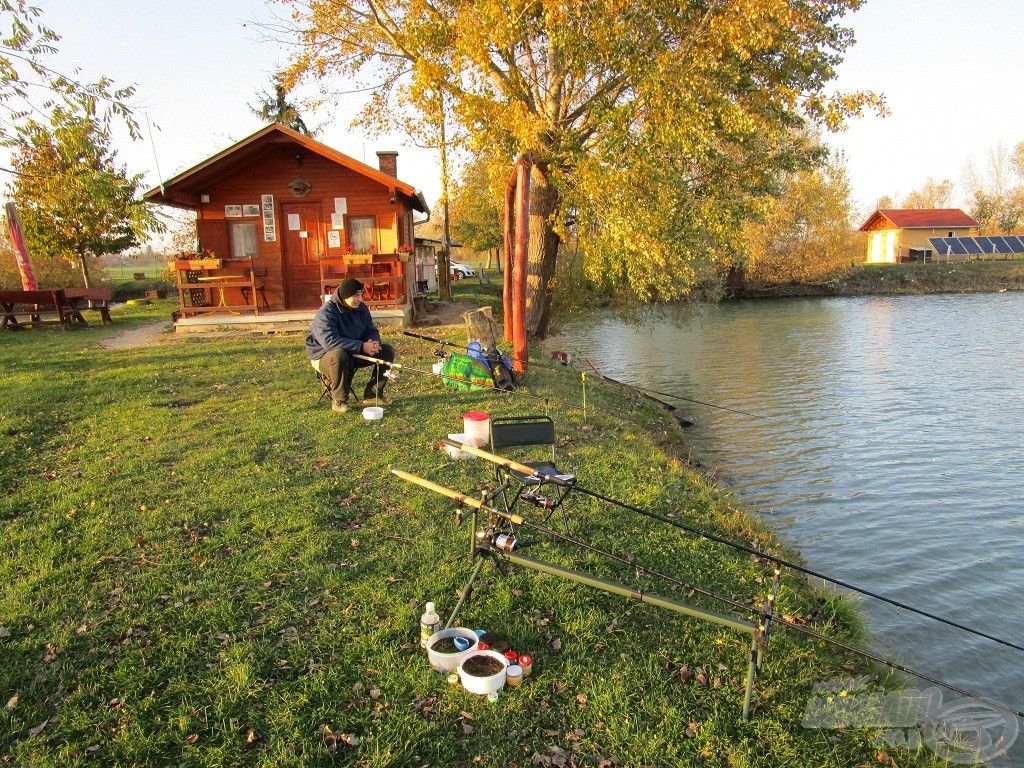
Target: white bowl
[(373, 413), (448, 662), (483, 685)]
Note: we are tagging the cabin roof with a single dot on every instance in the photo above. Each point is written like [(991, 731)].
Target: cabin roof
[(919, 218), (182, 191)]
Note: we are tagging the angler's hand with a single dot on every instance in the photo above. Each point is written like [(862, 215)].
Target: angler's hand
[(371, 347)]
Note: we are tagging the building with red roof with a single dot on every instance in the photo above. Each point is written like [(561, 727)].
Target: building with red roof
[(901, 234)]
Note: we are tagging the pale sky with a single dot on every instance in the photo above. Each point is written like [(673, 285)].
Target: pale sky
[(948, 70)]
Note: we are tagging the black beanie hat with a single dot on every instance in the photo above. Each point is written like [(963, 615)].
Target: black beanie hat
[(349, 287)]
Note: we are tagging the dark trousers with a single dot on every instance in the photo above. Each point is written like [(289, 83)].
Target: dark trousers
[(339, 366)]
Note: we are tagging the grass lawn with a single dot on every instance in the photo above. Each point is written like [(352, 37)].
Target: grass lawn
[(200, 566)]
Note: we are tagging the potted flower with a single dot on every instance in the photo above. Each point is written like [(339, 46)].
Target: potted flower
[(358, 256), (205, 260), (405, 252)]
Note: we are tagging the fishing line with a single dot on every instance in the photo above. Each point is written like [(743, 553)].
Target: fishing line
[(748, 609), (720, 539), (786, 563), (898, 667)]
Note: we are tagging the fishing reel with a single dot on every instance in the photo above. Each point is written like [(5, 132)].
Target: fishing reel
[(535, 497)]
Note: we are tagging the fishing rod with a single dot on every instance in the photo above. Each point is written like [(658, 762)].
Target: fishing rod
[(562, 369), (529, 471), (449, 377), (749, 609), (767, 615), (648, 391)]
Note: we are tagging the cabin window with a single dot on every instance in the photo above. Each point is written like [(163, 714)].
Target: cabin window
[(361, 231), (243, 239), (950, 234)]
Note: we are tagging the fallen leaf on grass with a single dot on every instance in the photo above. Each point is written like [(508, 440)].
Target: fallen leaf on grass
[(684, 673), (702, 677), (32, 732), (51, 653), (12, 702), (464, 715), (192, 739), (604, 762), (250, 738), (375, 693), (467, 729), (691, 729), (556, 644), (5, 632), (581, 699), (559, 686)]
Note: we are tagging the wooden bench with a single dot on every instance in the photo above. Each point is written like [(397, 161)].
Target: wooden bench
[(36, 307), (96, 298)]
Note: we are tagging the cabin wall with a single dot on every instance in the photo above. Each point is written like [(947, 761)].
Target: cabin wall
[(271, 174)]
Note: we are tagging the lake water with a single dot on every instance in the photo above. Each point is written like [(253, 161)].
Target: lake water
[(886, 446)]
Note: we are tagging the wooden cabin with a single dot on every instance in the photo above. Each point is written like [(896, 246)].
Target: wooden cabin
[(901, 234), (283, 218)]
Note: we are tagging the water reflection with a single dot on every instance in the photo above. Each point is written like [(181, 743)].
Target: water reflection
[(886, 446)]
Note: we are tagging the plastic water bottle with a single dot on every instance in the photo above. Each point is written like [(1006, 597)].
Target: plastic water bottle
[(429, 623)]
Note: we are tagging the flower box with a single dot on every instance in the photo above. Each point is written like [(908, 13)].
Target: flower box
[(197, 264), (359, 258)]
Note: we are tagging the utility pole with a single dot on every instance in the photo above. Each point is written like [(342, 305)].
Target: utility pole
[(443, 258)]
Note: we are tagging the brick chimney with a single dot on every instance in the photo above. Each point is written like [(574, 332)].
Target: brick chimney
[(387, 161)]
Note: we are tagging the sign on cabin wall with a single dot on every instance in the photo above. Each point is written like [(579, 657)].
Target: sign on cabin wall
[(334, 239), (250, 210), (234, 211), (269, 227)]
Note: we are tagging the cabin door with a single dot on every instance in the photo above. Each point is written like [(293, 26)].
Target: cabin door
[(303, 246)]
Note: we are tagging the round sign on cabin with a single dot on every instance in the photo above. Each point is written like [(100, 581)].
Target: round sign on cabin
[(300, 187)]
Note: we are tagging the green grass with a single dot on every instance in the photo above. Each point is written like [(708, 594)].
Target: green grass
[(201, 566), (151, 271), (908, 279)]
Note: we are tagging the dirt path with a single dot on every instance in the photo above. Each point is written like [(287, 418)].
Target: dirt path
[(143, 336)]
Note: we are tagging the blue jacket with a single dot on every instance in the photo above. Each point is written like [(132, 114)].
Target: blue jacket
[(337, 325)]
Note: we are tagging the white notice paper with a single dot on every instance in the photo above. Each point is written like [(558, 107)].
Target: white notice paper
[(341, 205), (303, 233), (293, 221), (333, 239), (337, 221)]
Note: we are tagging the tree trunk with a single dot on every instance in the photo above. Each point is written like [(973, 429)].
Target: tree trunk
[(85, 269), (544, 241)]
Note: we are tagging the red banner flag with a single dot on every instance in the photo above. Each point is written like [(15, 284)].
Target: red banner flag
[(28, 278)]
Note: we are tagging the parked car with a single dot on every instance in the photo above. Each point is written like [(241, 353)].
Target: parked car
[(457, 270)]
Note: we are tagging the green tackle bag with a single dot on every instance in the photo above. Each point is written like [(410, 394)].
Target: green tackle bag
[(464, 373)]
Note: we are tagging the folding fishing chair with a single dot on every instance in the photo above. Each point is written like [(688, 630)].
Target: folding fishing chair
[(514, 487)]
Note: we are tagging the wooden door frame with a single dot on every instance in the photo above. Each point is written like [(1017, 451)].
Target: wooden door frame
[(285, 282)]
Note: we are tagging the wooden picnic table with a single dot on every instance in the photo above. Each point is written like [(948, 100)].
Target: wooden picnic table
[(63, 305), (97, 298)]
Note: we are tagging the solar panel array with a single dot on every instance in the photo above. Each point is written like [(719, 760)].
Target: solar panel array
[(975, 246)]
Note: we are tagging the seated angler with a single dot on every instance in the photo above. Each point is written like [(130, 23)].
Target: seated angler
[(343, 327)]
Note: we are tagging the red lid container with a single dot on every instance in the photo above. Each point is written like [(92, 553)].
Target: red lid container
[(511, 655), (476, 415), (483, 647)]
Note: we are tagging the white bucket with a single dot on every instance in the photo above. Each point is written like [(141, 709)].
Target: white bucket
[(477, 427), (436, 368), (483, 685), (448, 662), (373, 413)]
